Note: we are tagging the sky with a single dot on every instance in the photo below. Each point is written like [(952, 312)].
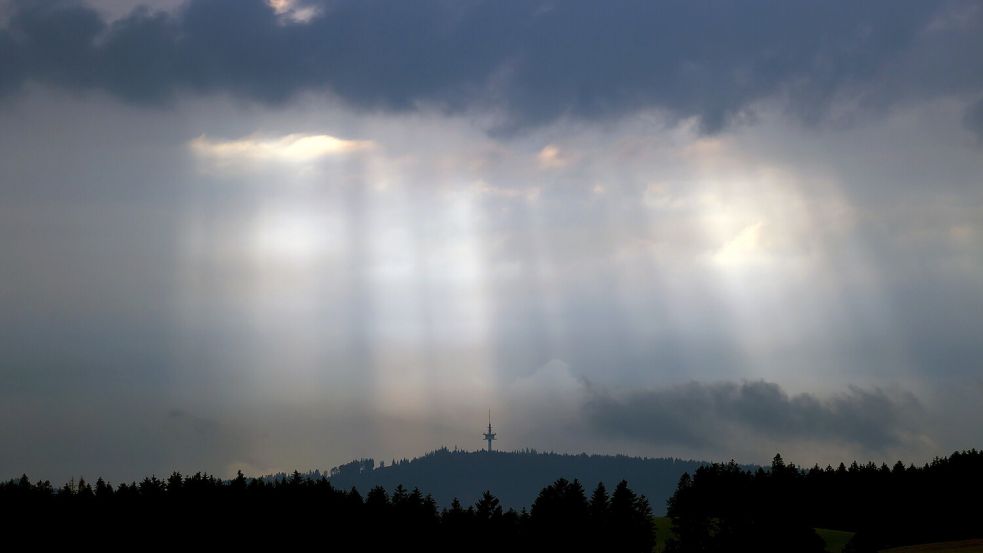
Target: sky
[(274, 235)]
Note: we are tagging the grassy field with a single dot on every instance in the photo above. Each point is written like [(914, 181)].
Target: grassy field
[(835, 539), (967, 546), (662, 525)]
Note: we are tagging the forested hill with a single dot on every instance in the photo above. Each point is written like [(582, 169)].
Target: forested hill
[(514, 477)]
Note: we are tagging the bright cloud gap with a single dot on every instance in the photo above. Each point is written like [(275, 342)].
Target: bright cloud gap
[(290, 148)]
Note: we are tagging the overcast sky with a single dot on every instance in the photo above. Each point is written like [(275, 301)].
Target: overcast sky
[(240, 234)]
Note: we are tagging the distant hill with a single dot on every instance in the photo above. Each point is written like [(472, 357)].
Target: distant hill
[(514, 477)]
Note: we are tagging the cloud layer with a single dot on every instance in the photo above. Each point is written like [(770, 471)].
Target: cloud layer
[(716, 415), (233, 226), (533, 62)]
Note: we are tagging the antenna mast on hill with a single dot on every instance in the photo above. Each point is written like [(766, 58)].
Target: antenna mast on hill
[(489, 436)]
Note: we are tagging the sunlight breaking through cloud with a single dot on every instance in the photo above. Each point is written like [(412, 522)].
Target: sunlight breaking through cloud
[(295, 12), (335, 235), (291, 148)]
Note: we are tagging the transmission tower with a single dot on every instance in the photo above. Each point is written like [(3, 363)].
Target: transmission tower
[(489, 436)]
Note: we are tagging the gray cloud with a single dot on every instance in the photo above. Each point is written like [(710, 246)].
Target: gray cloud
[(533, 61), (974, 119), (132, 275), (702, 415)]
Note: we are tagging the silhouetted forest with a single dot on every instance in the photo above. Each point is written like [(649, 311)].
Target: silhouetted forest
[(719, 508), (515, 477), (725, 507), (297, 511)]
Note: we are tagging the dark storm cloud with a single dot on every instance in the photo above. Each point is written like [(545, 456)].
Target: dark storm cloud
[(534, 60), (713, 414)]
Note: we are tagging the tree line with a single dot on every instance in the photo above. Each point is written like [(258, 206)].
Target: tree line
[(726, 507), (296, 511), (721, 507)]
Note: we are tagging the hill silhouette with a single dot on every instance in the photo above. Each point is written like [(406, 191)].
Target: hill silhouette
[(515, 477)]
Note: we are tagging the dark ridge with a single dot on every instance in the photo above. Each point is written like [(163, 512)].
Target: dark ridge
[(515, 477)]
